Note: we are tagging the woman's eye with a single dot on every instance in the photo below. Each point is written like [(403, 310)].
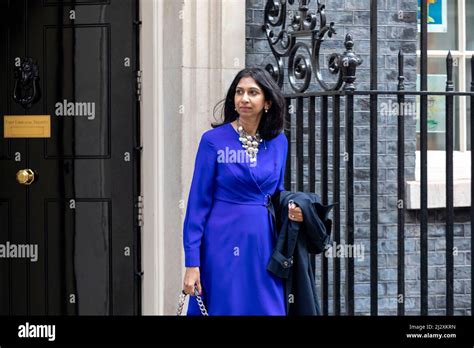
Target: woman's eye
[(251, 93)]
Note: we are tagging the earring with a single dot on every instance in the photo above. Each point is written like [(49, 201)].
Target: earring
[(266, 110)]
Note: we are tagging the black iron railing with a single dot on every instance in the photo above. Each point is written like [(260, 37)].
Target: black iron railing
[(303, 62)]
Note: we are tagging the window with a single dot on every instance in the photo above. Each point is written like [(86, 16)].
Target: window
[(437, 105), (468, 104), (455, 32)]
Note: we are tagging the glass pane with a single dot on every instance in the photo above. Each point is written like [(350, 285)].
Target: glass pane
[(442, 24), (468, 102), (437, 106), (470, 25)]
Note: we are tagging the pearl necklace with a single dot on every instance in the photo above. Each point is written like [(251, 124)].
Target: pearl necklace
[(249, 142)]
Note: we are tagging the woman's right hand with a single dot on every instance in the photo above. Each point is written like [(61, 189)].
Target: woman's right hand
[(192, 277)]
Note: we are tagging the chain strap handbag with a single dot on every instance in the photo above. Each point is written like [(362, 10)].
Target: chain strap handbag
[(182, 299)]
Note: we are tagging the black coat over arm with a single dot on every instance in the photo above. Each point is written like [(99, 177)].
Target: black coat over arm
[(296, 241)]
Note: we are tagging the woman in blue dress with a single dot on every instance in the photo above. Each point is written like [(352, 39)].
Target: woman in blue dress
[(228, 232)]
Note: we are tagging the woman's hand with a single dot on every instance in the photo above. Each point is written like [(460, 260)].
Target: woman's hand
[(294, 212), (192, 277)]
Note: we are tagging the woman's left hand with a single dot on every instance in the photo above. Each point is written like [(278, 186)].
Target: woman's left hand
[(295, 213)]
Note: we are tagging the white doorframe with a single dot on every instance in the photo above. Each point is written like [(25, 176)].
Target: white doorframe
[(152, 156)]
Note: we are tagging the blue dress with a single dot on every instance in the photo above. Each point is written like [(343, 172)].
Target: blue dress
[(228, 230)]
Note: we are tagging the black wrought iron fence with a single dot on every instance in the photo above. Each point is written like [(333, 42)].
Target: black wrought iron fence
[(300, 42)]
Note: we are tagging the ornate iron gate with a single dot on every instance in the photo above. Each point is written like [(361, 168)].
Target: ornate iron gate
[(297, 35)]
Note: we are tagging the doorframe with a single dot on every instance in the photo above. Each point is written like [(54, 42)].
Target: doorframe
[(152, 156)]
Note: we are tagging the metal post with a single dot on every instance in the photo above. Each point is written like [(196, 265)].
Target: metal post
[(373, 161), (424, 160), (449, 187), (401, 189)]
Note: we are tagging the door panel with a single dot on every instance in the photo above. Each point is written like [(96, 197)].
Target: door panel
[(5, 149), (15, 281), (86, 78), (90, 252), (80, 211), (5, 236)]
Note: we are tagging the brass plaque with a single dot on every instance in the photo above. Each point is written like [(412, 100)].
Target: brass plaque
[(27, 126)]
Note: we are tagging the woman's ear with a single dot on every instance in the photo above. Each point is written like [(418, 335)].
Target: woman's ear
[(268, 104)]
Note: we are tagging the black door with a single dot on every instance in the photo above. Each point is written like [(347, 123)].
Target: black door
[(76, 193)]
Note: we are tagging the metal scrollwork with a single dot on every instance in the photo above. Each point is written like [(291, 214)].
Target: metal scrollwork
[(299, 67), (304, 58)]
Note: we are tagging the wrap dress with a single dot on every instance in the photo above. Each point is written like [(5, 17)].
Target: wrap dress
[(228, 229)]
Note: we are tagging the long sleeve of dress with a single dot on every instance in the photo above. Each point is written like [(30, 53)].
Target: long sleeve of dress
[(200, 201), (281, 182)]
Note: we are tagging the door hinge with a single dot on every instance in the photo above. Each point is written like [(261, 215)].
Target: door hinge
[(139, 206), (139, 85)]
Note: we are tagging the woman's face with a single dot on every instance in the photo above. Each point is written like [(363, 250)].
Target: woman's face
[(249, 98)]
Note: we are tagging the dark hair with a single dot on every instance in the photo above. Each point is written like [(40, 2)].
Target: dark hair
[(271, 123)]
